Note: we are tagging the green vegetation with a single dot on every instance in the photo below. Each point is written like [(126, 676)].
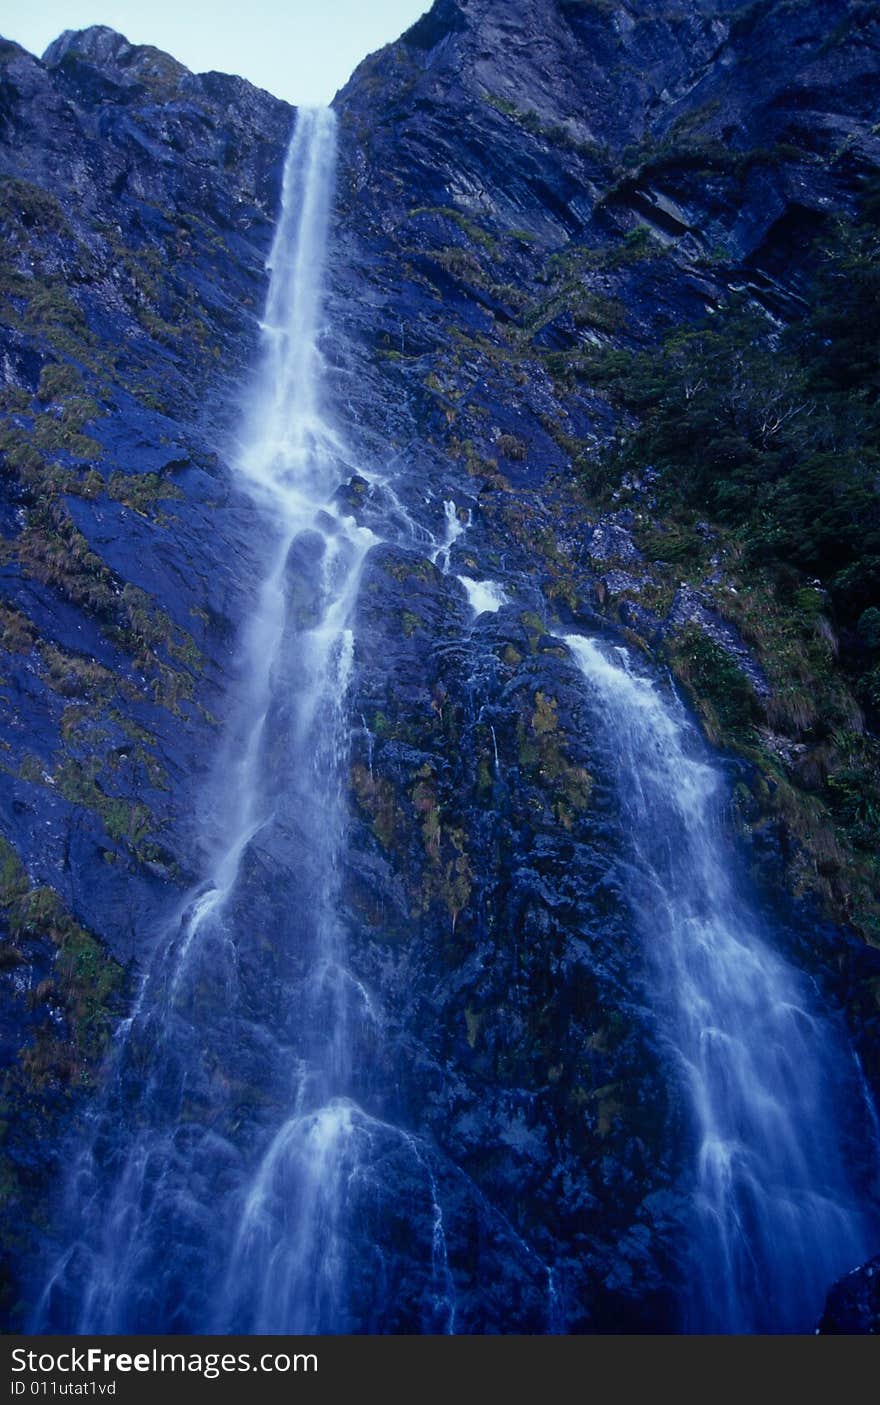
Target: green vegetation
[(90, 723), (775, 438), (84, 985), (568, 276), (543, 754), (778, 438), (45, 442), (555, 133), (17, 632), (126, 821), (375, 795), (22, 202), (751, 456), (58, 381), (142, 492), (447, 878), (723, 695), (65, 1005), (52, 550), (466, 223), (511, 447)]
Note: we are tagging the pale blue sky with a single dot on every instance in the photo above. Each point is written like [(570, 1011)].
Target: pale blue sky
[(302, 50)]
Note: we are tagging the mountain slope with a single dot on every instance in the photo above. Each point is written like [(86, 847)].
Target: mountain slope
[(525, 191)]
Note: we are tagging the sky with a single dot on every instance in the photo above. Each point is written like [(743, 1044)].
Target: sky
[(301, 50)]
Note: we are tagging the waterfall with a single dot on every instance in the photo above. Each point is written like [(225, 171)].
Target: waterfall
[(767, 1077), (483, 596), (240, 1170), (238, 1036)]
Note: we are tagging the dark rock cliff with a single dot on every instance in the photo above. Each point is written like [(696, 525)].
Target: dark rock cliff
[(520, 186), (853, 1307)]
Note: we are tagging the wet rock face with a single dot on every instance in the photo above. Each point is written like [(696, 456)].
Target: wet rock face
[(622, 113), (509, 1035), (853, 1306), (518, 184), (137, 203), (137, 206)]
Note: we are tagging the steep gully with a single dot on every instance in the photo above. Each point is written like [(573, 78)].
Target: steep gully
[(266, 1209)]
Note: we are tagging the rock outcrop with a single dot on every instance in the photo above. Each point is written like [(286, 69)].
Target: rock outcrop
[(853, 1306)]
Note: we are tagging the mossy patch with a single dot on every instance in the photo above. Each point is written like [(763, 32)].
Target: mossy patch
[(17, 632), (142, 492), (542, 752), (376, 797), (52, 550), (448, 877), (723, 696), (84, 987)]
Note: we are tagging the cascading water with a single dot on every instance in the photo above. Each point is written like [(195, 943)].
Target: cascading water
[(220, 1024), (483, 596), (240, 1173), (768, 1079)]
